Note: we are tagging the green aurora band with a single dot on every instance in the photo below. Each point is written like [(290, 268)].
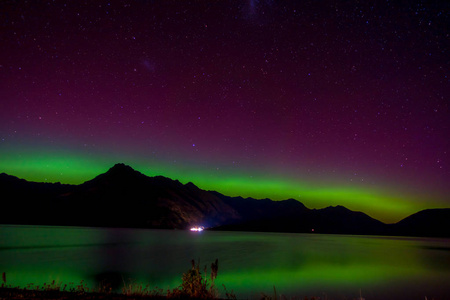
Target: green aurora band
[(387, 204)]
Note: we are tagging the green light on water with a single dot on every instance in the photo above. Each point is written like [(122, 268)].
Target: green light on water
[(249, 263)]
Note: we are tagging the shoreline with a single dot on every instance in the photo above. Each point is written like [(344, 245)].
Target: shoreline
[(21, 293)]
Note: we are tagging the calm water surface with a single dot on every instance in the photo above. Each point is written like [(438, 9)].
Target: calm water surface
[(299, 265)]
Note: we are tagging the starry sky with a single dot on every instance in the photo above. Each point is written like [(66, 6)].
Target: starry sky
[(327, 102)]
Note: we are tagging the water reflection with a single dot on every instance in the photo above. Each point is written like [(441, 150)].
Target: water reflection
[(114, 259), (250, 263)]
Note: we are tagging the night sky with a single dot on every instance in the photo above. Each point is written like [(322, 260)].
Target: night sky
[(326, 102)]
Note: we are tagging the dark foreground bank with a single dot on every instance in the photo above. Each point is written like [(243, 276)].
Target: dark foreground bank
[(195, 285), (17, 293)]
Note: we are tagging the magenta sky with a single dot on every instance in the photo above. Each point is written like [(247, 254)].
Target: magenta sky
[(335, 92)]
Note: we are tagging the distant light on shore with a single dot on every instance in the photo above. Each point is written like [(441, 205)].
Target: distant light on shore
[(197, 228)]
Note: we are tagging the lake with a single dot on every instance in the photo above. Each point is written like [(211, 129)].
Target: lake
[(298, 265)]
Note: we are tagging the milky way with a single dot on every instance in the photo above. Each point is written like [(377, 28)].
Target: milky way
[(328, 103)]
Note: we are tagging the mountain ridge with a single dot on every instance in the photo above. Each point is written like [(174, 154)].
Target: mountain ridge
[(124, 197)]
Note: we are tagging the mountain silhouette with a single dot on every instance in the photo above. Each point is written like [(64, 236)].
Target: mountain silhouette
[(121, 197), (124, 197), (428, 222)]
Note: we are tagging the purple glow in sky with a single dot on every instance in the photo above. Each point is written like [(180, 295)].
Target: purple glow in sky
[(332, 93)]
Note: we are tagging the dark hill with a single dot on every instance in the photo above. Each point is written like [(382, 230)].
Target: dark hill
[(290, 217), (123, 197), (429, 222), (254, 209)]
